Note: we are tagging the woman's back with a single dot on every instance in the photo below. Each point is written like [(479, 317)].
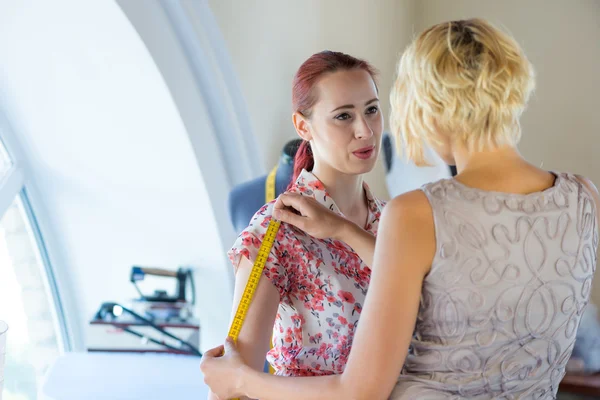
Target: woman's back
[(501, 305)]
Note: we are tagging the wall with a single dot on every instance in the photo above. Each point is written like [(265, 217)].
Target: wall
[(269, 39), (562, 40)]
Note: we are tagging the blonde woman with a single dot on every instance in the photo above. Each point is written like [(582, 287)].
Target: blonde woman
[(479, 281)]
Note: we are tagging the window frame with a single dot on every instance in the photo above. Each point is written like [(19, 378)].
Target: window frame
[(11, 183), (16, 185)]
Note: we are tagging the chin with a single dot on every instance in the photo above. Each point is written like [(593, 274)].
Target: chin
[(363, 167)]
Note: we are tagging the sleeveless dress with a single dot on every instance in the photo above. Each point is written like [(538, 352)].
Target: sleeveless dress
[(502, 303)]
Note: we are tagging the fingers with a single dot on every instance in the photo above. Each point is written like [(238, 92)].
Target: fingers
[(290, 218), (212, 353), (293, 200)]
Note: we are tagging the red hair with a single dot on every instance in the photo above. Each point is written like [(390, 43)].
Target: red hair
[(304, 95)]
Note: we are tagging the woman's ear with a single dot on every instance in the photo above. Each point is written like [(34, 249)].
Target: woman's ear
[(302, 126)]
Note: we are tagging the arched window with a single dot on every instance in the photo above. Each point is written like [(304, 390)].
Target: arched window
[(129, 140)]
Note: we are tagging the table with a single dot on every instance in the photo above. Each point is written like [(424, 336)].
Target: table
[(120, 376)]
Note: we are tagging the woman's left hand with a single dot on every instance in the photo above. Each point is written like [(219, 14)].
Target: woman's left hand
[(223, 372)]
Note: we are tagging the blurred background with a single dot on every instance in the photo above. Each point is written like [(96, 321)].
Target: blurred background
[(125, 125)]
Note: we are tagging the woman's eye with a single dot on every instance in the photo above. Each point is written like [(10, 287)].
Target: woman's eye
[(372, 110), (343, 117)]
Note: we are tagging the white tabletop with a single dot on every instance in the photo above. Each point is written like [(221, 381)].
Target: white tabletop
[(131, 376)]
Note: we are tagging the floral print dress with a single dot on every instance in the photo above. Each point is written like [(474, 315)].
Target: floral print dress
[(322, 285)]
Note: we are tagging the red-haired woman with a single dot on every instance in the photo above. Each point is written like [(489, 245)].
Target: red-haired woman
[(312, 291)]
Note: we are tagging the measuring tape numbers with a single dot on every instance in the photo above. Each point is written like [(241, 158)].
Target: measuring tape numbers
[(258, 266), (255, 275)]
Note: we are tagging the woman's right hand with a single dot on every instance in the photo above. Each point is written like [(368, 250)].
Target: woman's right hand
[(308, 215)]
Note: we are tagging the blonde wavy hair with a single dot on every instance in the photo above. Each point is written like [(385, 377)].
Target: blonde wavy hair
[(466, 79)]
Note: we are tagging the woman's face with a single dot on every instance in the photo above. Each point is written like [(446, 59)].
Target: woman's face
[(346, 124)]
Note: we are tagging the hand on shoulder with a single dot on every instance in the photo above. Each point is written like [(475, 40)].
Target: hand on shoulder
[(308, 215)]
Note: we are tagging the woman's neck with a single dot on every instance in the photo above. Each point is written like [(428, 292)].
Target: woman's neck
[(485, 161), (501, 170), (346, 190)]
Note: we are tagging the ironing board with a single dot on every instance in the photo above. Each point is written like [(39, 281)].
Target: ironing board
[(120, 376)]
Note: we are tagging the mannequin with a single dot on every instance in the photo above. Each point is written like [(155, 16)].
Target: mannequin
[(402, 177), (247, 198)]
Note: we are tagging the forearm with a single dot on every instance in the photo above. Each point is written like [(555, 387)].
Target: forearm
[(361, 241), (263, 386)]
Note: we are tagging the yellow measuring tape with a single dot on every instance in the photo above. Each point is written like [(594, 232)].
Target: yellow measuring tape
[(270, 196), (255, 274), (258, 267), (270, 186)]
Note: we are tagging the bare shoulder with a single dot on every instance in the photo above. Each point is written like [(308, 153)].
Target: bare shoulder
[(589, 185), (411, 206), (408, 226), (410, 215)]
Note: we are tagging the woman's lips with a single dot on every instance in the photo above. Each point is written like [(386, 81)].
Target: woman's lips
[(365, 153)]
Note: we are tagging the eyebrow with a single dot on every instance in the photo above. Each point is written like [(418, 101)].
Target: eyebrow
[(352, 105)]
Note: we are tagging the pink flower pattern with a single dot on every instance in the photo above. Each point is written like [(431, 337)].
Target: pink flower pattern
[(322, 285)]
